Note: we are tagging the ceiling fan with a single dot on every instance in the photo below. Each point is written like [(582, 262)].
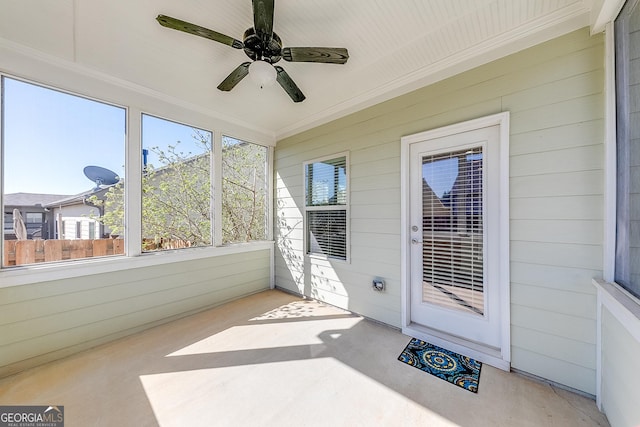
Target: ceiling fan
[(263, 46)]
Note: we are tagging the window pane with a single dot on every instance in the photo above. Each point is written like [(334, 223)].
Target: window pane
[(244, 191), (176, 185), (327, 233), (62, 154), (627, 269), (326, 182), (452, 248)]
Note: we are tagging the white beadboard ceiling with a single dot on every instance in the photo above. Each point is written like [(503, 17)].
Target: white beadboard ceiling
[(394, 46)]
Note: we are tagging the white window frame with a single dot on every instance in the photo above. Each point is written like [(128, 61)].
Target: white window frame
[(77, 81), (346, 207)]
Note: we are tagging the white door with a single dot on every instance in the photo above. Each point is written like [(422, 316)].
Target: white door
[(454, 202)]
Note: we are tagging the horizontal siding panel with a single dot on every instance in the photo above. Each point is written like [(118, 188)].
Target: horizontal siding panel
[(124, 292), (384, 226), (570, 87), (557, 231), (63, 287), (570, 279), (559, 348), (554, 300), (586, 183), (559, 325), (376, 182), (379, 167), (558, 161), (113, 327), (572, 111), (558, 254), (374, 211), (96, 312), (556, 370), (388, 196), (385, 152), (562, 137), (557, 208), (376, 240)]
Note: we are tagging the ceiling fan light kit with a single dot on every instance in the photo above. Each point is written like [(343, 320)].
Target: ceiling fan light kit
[(262, 73), (264, 47)]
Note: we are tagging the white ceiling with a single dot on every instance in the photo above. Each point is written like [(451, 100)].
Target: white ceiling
[(394, 46)]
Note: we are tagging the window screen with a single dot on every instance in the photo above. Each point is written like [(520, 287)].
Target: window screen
[(627, 268)]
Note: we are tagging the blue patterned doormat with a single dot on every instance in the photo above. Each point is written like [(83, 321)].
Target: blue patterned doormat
[(447, 365)]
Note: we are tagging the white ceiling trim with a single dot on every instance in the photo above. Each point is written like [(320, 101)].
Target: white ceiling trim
[(561, 22), (602, 12)]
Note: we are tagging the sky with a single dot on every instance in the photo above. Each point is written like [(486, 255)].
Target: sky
[(50, 137)]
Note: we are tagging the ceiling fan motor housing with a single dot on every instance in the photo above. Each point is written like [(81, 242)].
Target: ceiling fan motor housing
[(257, 48)]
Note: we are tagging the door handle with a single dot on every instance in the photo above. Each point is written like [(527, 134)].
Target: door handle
[(416, 241)]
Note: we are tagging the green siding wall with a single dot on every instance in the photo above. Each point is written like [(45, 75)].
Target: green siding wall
[(45, 321), (554, 94)]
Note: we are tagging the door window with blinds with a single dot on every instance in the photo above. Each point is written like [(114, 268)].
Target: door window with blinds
[(453, 237), (326, 207)]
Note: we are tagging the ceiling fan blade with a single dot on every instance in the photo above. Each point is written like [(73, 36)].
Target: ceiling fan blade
[(327, 55), (263, 18), (187, 27), (234, 78), (289, 85)]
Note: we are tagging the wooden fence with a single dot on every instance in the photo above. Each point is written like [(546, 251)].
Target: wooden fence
[(19, 252)]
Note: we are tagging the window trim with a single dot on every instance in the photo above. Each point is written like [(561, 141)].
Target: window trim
[(346, 207)]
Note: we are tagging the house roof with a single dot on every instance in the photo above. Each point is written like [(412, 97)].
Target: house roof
[(32, 199), (394, 47)]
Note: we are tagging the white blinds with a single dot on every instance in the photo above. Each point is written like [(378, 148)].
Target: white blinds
[(452, 200), (327, 233)]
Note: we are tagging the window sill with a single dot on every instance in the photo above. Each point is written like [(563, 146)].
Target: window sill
[(15, 276)]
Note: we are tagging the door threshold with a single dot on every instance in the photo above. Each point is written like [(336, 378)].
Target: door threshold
[(485, 354)]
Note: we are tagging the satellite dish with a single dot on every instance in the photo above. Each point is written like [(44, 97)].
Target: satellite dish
[(101, 176)]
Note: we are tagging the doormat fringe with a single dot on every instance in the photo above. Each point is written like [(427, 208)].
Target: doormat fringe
[(444, 364)]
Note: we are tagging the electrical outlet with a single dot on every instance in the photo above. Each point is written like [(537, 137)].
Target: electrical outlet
[(378, 284)]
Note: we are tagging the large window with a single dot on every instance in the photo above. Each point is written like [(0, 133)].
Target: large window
[(61, 154), (326, 203), (627, 35), (244, 191), (64, 159)]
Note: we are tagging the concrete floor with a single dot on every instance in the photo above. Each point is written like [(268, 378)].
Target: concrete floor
[(272, 359)]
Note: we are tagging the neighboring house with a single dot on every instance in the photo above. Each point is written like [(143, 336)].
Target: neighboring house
[(56, 216), (35, 210), (75, 217)]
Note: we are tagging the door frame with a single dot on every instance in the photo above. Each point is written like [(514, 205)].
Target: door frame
[(498, 357)]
